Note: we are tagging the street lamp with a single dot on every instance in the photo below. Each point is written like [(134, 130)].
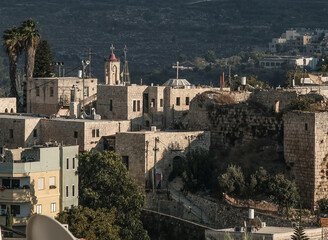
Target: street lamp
[(85, 63)]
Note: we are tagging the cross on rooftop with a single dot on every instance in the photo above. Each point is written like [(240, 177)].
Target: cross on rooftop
[(112, 48), (180, 67)]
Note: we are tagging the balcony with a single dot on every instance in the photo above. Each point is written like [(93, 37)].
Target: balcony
[(17, 221), (15, 195)]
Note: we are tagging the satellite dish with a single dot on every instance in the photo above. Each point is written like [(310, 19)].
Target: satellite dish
[(40, 227)]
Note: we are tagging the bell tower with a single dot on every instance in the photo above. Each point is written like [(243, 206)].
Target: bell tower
[(112, 69)]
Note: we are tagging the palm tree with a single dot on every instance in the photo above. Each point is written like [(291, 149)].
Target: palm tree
[(13, 47), (31, 39)]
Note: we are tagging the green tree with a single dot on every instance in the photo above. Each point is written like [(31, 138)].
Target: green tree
[(283, 192), (44, 60), (198, 166), (323, 206), (30, 38), (104, 183), (210, 56), (233, 181), (299, 233), (91, 224), (9, 220), (303, 103), (13, 47)]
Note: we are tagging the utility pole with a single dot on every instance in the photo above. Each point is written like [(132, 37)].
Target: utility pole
[(90, 53), (84, 65), (155, 162)]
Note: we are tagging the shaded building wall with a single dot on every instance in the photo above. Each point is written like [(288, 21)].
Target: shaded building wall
[(299, 152), (112, 102)]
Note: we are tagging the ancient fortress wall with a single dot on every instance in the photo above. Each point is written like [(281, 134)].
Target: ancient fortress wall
[(299, 151)]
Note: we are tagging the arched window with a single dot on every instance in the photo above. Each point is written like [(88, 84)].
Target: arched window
[(11, 110), (6, 110)]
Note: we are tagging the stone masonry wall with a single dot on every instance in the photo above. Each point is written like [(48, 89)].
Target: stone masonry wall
[(321, 156), (270, 98), (299, 152)]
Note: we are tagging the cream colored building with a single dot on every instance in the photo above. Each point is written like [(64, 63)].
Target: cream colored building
[(145, 106), (26, 131), (8, 105), (37, 181), (53, 96), (144, 151)]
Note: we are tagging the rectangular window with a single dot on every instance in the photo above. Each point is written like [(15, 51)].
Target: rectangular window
[(52, 182), (53, 207), (93, 133), (73, 190), (161, 102), (306, 127), (51, 91), (66, 191), (86, 91), (187, 100), (73, 163), (111, 105), (37, 91), (15, 183), (97, 133), (67, 163), (138, 105), (15, 210), (125, 161), (38, 209), (76, 134), (11, 133), (152, 104), (6, 183), (35, 133), (134, 105), (178, 101), (41, 183)]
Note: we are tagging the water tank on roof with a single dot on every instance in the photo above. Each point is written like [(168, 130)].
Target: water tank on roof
[(243, 81)]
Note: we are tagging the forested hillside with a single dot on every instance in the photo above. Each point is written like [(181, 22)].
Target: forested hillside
[(158, 32)]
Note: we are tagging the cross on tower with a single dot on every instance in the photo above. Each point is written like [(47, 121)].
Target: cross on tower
[(112, 48), (125, 51), (180, 67)]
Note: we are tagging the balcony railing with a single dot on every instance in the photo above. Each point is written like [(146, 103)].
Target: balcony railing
[(15, 195), (17, 221)]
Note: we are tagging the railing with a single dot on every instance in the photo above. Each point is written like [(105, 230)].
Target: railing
[(15, 195), (17, 221), (89, 99)]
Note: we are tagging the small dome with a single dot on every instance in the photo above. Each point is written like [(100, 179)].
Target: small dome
[(112, 58), (177, 82)]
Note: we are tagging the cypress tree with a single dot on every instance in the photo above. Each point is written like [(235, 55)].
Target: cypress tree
[(44, 61)]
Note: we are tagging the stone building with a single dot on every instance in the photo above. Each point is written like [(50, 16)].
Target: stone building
[(145, 106), (8, 105), (83, 132), (305, 151), (53, 96), (27, 131), (38, 180), (122, 103), (19, 131), (145, 150)]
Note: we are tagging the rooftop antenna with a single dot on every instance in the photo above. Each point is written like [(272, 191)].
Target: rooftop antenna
[(90, 53), (125, 73)]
